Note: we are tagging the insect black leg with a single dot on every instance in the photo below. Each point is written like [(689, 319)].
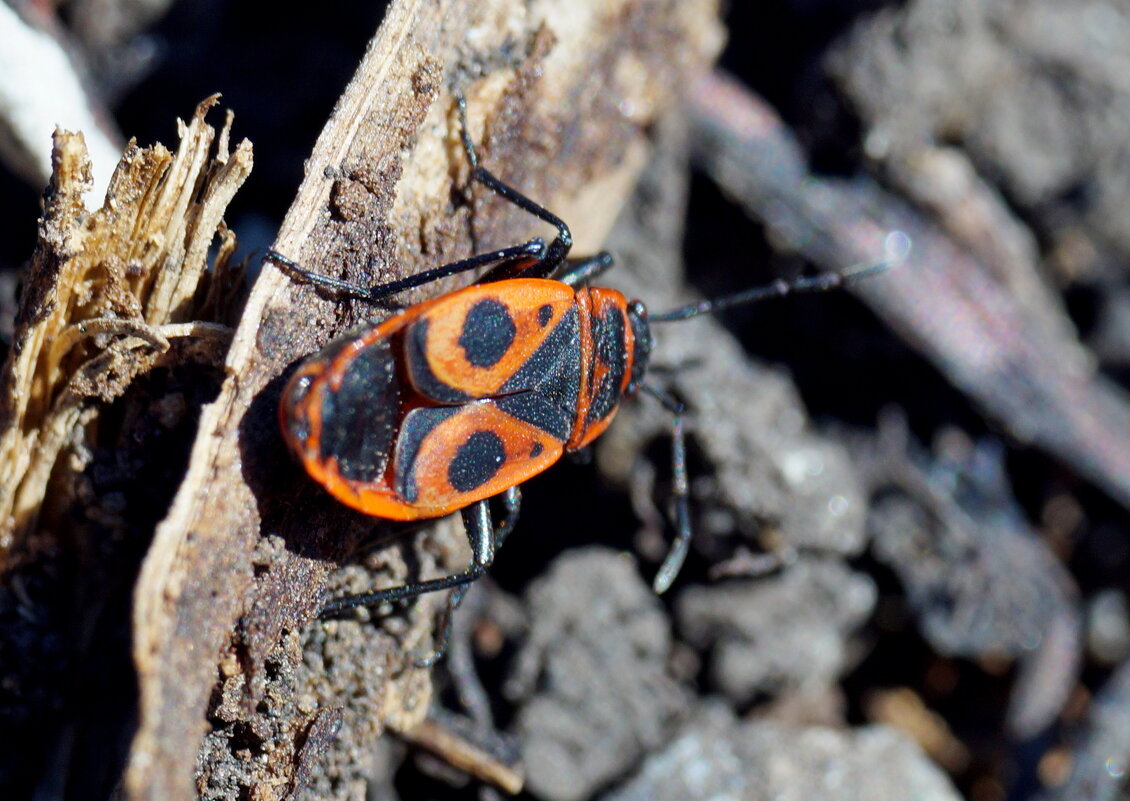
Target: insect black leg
[(678, 552), (444, 627), (401, 593), (534, 250), (484, 539), (512, 500), (558, 249), (581, 271), (476, 519)]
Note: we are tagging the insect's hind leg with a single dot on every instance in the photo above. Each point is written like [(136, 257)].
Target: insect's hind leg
[(482, 548), (485, 540), (401, 593)]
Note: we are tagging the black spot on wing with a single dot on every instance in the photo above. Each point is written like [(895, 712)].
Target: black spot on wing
[(545, 314), (417, 425), (609, 342), (544, 390), (419, 370), (359, 419), (477, 460), (488, 332)]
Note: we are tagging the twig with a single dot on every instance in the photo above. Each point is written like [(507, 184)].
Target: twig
[(1022, 371), (39, 90)]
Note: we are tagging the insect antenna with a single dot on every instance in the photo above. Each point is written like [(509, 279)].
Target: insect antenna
[(898, 247)]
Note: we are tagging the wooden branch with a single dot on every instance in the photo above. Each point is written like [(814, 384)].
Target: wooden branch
[(561, 96), (995, 339)]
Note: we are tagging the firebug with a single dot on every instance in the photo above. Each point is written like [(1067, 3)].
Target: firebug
[(460, 399)]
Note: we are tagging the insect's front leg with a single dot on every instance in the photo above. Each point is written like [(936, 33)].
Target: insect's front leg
[(558, 249)]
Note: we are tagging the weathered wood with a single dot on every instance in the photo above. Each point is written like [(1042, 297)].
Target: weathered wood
[(104, 284), (561, 95)]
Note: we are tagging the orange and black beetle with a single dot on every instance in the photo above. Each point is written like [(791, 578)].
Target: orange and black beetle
[(462, 398)]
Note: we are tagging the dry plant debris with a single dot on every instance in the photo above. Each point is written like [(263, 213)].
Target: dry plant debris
[(107, 293), (992, 338)]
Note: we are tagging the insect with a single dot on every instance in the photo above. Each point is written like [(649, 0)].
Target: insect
[(459, 399)]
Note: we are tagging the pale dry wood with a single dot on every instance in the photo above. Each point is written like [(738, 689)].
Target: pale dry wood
[(465, 755), (89, 320), (103, 372), (561, 96), (41, 88)]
